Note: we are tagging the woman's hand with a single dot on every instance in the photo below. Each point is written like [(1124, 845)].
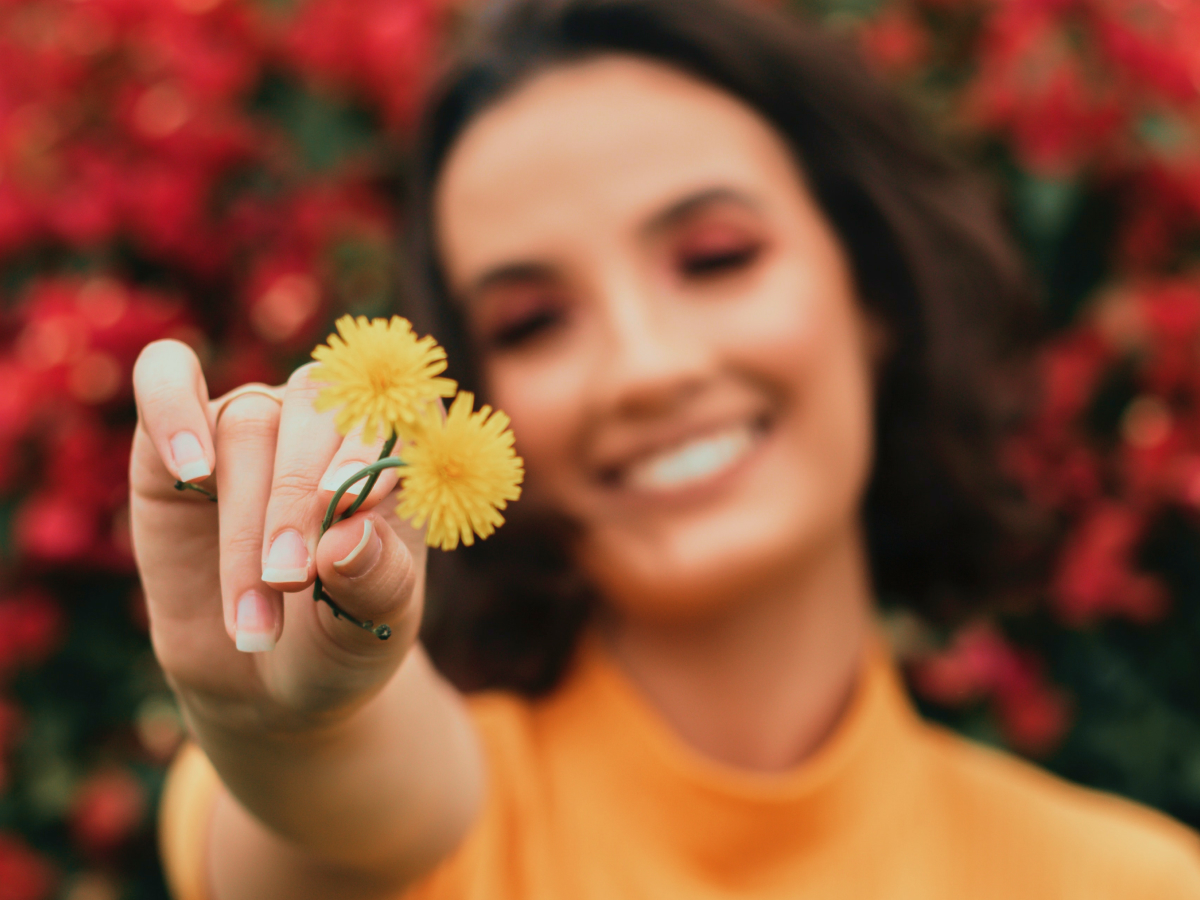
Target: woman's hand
[(239, 572), (352, 761)]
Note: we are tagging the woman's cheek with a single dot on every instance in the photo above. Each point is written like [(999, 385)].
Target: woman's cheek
[(809, 344), (840, 409), (544, 403), (783, 331)]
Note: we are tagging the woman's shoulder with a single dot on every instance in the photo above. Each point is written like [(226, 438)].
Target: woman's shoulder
[(972, 820), (1026, 813)]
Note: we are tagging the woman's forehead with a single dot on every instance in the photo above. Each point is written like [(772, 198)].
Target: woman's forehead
[(613, 140)]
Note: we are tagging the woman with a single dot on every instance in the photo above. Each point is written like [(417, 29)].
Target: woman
[(751, 335)]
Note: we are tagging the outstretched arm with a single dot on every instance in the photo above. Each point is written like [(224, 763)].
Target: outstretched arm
[(351, 761)]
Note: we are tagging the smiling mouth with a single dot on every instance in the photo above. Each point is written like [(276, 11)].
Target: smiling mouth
[(695, 461)]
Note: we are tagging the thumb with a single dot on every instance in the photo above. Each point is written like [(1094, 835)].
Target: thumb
[(326, 662), (371, 574)]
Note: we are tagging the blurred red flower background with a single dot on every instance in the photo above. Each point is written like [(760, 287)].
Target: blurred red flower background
[(226, 172)]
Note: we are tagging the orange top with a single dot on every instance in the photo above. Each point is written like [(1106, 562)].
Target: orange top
[(592, 797)]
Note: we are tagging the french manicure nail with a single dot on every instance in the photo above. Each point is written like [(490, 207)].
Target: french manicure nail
[(359, 560), (336, 479), (189, 457), (287, 560), (255, 623)]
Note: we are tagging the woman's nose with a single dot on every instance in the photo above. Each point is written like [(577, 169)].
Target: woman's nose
[(650, 360)]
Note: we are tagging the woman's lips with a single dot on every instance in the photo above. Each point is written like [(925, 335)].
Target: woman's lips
[(690, 462), (693, 461)]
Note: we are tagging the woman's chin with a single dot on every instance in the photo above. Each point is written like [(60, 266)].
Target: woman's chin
[(696, 576)]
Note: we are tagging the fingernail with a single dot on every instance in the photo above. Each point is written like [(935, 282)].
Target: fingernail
[(287, 560), (359, 560), (336, 479), (255, 623), (189, 457)]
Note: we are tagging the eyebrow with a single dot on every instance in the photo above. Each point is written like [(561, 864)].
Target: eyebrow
[(509, 273), (526, 271), (690, 204)]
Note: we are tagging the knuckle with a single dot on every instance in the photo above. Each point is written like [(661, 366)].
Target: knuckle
[(401, 586), (146, 466), (249, 418), (294, 483), (159, 395), (299, 381), (388, 589), (244, 541)]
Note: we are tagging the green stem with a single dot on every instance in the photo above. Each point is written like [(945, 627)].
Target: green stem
[(188, 486), (371, 473), (374, 471)]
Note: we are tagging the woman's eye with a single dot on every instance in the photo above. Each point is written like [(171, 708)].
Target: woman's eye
[(718, 262), (525, 328)]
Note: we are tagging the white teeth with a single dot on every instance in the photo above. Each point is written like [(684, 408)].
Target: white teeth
[(693, 461)]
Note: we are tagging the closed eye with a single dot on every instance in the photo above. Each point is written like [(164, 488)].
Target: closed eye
[(524, 329), (703, 265)]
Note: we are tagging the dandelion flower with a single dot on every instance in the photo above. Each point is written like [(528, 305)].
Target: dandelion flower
[(381, 374), (460, 473)]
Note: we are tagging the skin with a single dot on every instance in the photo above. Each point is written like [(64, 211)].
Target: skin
[(641, 266), (662, 274)]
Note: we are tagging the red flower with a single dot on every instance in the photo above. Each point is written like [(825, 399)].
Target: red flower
[(10, 725), (895, 42), (1162, 56), (79, 339), (980, 664), (1035, 718), (382, 48), (73, 519), (1055, 470), (107, 810), (1038, 87), (56, 527), (283, 304), (969, 669), (31, 627), (1095, 573), (1162, 210), (1071, 368), (24, 393), (24, 875)]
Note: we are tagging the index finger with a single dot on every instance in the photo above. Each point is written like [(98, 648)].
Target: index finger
[(172, 398)]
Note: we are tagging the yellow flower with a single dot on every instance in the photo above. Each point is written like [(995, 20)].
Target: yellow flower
[(461, 472), (381, 374)]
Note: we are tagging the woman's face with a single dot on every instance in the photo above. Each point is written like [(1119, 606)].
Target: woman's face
[(671, 323)]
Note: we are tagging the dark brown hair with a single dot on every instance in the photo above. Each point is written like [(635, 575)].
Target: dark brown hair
[(930, 258)]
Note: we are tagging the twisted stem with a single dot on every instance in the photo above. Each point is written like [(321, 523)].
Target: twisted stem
[(371, 473), (384, 453)]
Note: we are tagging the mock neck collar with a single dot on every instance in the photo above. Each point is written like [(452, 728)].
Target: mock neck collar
[(862, 776)]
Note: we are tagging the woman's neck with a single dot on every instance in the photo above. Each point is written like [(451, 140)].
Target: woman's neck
[(762, 684)]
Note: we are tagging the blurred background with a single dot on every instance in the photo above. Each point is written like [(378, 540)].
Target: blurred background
[(227, 172)]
